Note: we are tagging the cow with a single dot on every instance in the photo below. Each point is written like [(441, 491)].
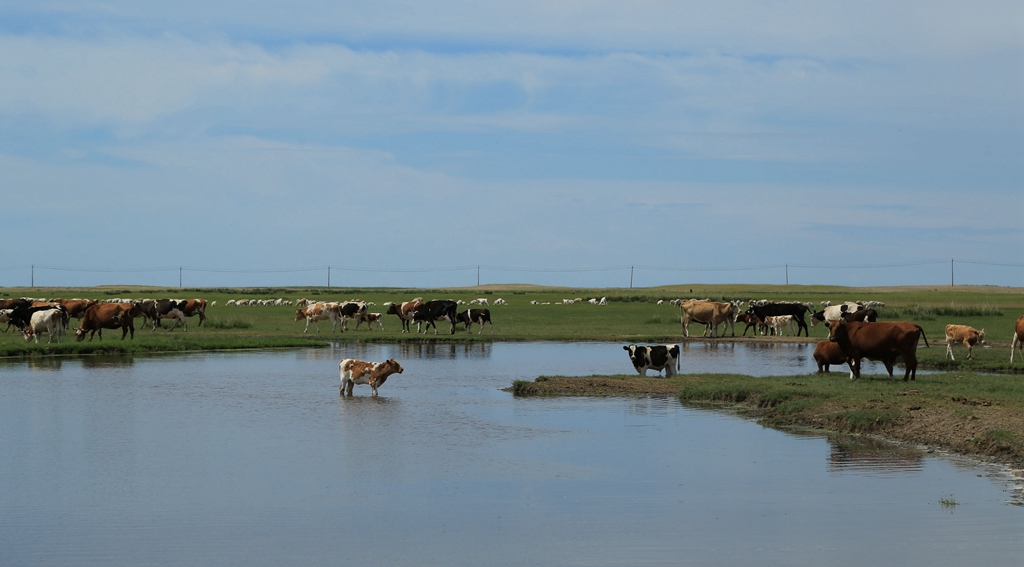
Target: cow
[(436, 310), (108, 316), (833, 312), (195, 307), (160, 309), (711, 313), (861, 315), (5, 317), (826, 353), (350, 310), (76, 307), (21, 316), (778, 322), (750, 320), (969, 336), (405, 311), (319, 311), (50, 320), (373, 373), (478, 316), (884, 341), (1018, 337), (797, 310), (660, 357), (370, 319)]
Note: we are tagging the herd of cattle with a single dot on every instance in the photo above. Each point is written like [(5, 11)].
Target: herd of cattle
[(34, 317), (854, 330)]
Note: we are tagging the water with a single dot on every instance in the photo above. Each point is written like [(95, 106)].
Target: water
[(253, 459)]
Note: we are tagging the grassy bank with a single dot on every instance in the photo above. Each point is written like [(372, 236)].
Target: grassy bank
[(967, 412), (631, 315)]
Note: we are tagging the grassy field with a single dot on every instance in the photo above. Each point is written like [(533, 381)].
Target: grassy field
[(632, 315)]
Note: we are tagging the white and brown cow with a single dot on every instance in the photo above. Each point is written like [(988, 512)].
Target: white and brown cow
[(659, 357), (969, 336), (317, 312), (405, 312), (359, 372), (776, 323), (49, 320), (370, 319)]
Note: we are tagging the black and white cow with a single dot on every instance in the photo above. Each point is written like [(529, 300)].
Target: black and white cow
[(351, 310), (478, 316), (160, 309), (654, 357), (436, 310), (797, 310)]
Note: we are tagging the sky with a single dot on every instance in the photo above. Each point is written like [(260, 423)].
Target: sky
[(422, 144)]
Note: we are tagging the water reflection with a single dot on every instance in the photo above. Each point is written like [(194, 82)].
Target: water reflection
[(108, 361), (45, 363), (867, 456)]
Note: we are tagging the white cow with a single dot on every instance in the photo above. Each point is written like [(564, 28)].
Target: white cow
[(49, 320)]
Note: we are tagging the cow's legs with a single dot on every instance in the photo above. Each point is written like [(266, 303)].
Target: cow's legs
[(949, 349)]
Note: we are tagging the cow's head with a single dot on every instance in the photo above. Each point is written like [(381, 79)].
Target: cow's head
[(394, 366), (834, 328), (637, 355), (981, 337), (80, 334), (300, 314)]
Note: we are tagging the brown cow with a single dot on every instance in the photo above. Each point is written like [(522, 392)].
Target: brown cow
[(969, 336), (1018, 337), (373, 373), (884, 341), (827, 353), (751, 320), (405, 311), (194, 307), (108, 316), (711, 313), (76, 307)]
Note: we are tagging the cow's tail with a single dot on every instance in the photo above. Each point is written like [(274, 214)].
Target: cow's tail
[(920, 328)]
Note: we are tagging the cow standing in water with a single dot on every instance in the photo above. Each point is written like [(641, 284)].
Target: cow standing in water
[(660, 357), (359, 372)]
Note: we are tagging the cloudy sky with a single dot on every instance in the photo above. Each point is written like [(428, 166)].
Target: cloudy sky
[(560, 142)]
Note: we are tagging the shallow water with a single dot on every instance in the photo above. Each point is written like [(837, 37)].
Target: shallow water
[(253, 459)]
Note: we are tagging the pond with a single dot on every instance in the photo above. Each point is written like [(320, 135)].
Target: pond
[(252, 458)]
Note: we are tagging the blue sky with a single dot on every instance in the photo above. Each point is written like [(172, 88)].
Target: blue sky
[(550, 142)]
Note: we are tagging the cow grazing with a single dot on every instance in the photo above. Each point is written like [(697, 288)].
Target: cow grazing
[(1018, 336), (108, 316), (658, 357), (885, 341), (373, 373), (826, 353), (405, 311), (320, 311), (711, 313), (49, 320), (370, 319), (797, 310), (436, 310), (969, 336), (478, 316)]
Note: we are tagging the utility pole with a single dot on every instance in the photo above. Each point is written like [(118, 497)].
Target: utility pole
[(33, 275), (328, 276), (950, 272), (478, 276), (787, 274), (179, 276), (631, 277)]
